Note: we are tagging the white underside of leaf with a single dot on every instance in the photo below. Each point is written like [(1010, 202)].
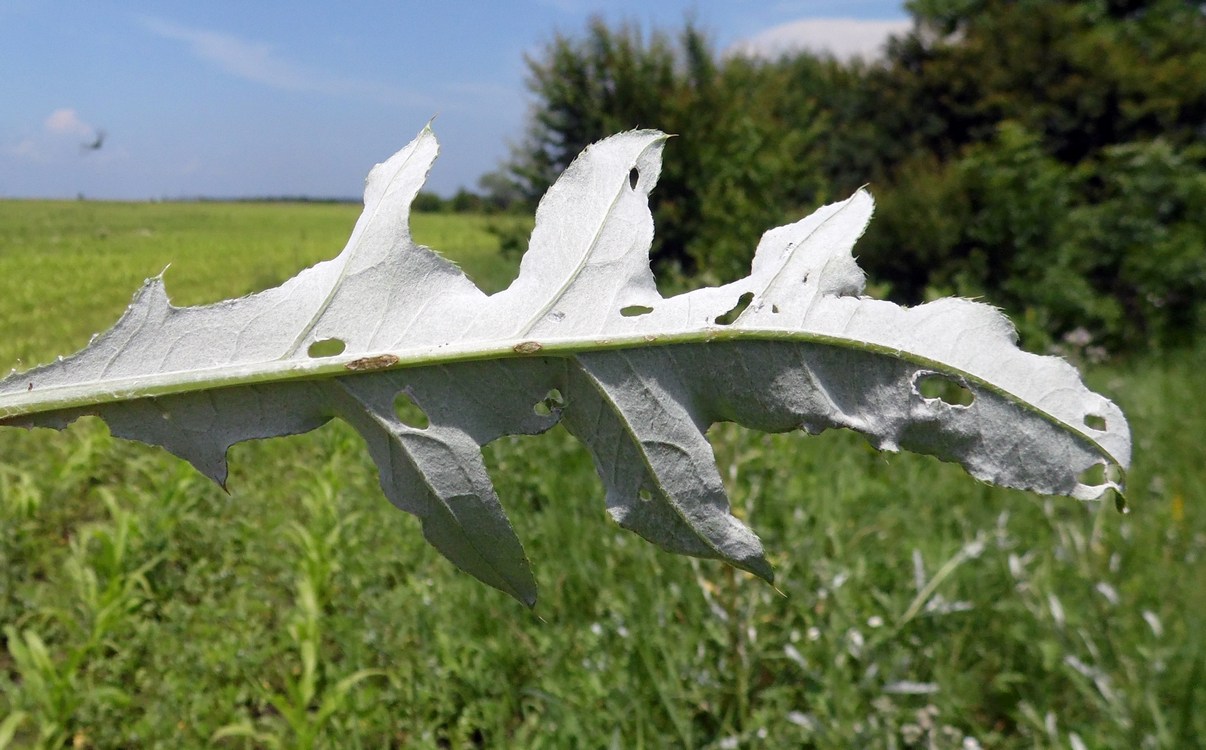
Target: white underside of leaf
[(642, 377)]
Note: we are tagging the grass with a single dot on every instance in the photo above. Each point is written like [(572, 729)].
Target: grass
[(86, 259), (143, 607)]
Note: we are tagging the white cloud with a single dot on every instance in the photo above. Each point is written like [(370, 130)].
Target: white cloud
[(67, 122), (26, 149), (60, 137), (843, 38), (258, 62)]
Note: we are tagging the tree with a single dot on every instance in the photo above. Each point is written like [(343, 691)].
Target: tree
[(1083, 75), (1021, 149), (743, 163), (993, 133), (500, 192), (428, 202)]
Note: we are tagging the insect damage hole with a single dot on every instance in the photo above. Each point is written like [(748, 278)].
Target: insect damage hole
[(1094, 476), (326, 348), (946, 389), (552, 403), (1095, 422), (409, 413), (634, 176), (731, 316), (632, 311)]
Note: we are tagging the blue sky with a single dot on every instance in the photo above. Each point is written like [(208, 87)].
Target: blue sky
[(227, 99)]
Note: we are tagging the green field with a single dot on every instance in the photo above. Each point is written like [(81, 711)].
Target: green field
[(143, 607)]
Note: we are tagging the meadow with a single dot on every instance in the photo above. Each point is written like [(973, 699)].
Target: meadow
[(143, 607)]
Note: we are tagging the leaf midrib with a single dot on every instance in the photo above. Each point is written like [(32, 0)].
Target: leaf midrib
[(21, 404)]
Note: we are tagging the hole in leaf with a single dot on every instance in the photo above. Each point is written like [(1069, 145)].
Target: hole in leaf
[(728, 318), (633, 177), (1095, 421), (946, 389), (1094, 476), (326, 348), (645, 495), (633, 311), (552, 403), (775, 309), (409, 413)]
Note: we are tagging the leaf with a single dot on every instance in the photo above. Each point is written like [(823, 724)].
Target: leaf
[(8, 727), (582, 336)]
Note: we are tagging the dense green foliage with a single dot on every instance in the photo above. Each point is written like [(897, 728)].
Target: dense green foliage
[(1047, 156), (732, 171), (1111, 251), (141, 606), (1060, 149)]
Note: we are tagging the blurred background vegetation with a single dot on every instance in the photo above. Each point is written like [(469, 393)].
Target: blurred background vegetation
[(1047, 156)]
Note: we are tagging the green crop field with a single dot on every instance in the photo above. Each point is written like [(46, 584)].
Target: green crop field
[(143, 607)]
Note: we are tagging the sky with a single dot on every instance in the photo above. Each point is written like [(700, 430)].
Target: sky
[(236, 99)]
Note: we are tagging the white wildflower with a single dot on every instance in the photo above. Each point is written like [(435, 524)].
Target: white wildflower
[(1108, 591), (1057, 610), (1153, 622), (909, 687), (791, 652)]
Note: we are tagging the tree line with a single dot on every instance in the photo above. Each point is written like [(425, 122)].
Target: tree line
[(1047, 156)]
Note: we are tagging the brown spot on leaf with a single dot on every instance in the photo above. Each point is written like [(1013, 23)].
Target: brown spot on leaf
[(380, 362), (527, 347)]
